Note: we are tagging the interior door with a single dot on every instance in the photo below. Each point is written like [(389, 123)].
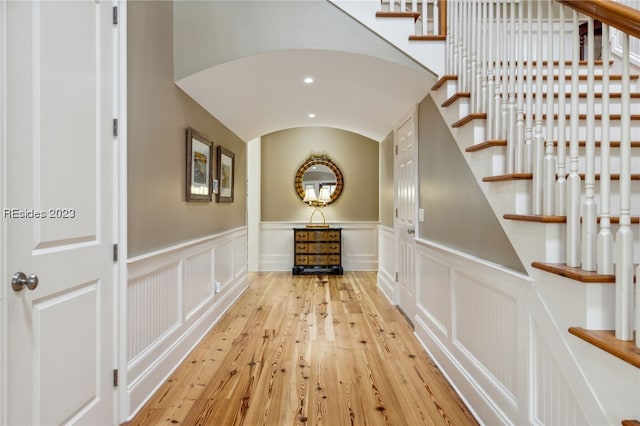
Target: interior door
[(59, 212), (406, 176)]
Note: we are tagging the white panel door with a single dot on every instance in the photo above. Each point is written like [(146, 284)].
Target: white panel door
[(405, 178), (59, 212)]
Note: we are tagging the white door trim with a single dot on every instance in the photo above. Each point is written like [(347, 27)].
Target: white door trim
[(121, 400), (4, 274), (412, 114)]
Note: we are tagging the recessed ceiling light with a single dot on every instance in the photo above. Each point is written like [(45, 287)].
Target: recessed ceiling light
[(308, 80), (312, 115)]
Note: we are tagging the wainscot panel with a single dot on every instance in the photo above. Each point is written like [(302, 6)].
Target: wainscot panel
[(387, 262), (359, 245), (172, 302), (469, 318), (489, 331)]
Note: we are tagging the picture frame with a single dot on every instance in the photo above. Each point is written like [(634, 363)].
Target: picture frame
[(225, 175), (199, 167)]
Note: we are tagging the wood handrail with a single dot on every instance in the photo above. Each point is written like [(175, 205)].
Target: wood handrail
[(614, 14)]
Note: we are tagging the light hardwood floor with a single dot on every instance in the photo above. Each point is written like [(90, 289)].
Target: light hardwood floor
[(316, 350)]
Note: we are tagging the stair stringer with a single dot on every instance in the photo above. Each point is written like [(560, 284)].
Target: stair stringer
[(551, 294), (606, 387), (396, 31)]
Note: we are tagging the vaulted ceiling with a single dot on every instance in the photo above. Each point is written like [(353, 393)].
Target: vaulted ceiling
[(253, 82)]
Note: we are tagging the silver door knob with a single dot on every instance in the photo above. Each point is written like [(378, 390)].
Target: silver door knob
[(20, 280)]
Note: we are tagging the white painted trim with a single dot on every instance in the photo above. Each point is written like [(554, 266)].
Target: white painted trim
[(3, 204), (254, 153), (121, 400), (184, 245), (386, 276)]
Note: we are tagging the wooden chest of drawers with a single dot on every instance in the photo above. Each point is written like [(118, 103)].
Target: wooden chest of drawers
[(317, 251)]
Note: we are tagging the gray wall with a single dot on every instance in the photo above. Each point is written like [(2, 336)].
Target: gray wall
[(457, 214), (158, 115), (284, 152), (386, 181)]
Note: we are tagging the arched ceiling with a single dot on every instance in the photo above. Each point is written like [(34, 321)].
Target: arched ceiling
[(263, 93)]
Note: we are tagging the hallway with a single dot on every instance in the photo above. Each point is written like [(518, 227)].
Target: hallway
[(319, 350)]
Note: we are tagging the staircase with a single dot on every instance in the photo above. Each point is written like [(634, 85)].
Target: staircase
[(555, 140)]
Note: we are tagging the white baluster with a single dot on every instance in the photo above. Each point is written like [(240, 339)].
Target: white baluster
[(436, 16), (528, 164), (511, 106), (473, 55), (484, 55), (538, 140), (573, 180), (561, 183), (462, 76), (624, 236), (589, 211), (490, 77), (504, 106), (605, 237), (549, 167), (519, 167)]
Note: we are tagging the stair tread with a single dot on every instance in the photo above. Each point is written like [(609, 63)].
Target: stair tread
[(486, 144), (427, 38), (575, 273), (630, 423), (583, 77), (468, 118), (612, 117), (455, 97), (413, 15), (566, 62), (503, 143), (526, 176), (441, 82), (540, 218), (612, 95), (606, 340)]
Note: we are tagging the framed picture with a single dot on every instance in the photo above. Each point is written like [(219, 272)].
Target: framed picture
[(226, 167), (199, 167)]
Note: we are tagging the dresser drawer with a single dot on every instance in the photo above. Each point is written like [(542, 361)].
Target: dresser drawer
[(333, 235), (318, 248), (319, 259), (302, 248), (301, 236), (302, 259), (317, 235), (333, 248)]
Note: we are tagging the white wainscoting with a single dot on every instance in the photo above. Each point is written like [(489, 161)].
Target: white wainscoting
[(387, 262), (359, 245), (489, 332), (171, 303)]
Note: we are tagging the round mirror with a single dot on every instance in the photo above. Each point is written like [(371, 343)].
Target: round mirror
[(318, 181)]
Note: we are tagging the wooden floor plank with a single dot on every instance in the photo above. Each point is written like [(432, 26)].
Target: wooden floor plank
[(308, 350)]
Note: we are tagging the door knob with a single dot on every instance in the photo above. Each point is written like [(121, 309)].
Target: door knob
[(20, 280)]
